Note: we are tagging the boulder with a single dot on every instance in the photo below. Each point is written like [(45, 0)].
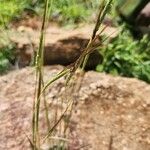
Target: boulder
[(62, 46), (109, 112)]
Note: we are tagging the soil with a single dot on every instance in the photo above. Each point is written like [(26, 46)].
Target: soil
[(110, 113)]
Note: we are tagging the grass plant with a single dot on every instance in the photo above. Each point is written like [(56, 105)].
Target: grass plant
[(69, 71), (40, 80)]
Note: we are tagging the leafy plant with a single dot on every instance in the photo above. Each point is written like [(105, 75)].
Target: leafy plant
[(126, 57), (6, 57), (11, 9)]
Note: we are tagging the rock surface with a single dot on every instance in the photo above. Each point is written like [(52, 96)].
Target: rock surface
[(109, 113), (62, 46)]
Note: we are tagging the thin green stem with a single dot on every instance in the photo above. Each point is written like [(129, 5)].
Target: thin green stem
[(103, 9), (39, 76)]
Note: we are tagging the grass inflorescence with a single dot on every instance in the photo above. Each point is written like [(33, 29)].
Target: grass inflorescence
[(68, 71)]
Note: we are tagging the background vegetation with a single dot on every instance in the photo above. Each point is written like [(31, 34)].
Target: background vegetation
[(11, 9), (7, 57), (127, 57), (63, 11)]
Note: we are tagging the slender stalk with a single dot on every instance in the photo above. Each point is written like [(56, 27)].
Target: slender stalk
[(39, 79), (70, 70), (103, 9), (58, 121), (45, 102)]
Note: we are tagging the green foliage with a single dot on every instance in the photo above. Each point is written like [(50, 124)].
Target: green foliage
[(73, 10), (64, 11), (127, 57), (73, 13), (10, 9), (6, 56)]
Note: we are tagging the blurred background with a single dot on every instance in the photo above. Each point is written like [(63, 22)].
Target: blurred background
[(126, 54)]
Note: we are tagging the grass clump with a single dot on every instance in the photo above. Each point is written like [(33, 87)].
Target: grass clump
[(127, 57), (69, 72)]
